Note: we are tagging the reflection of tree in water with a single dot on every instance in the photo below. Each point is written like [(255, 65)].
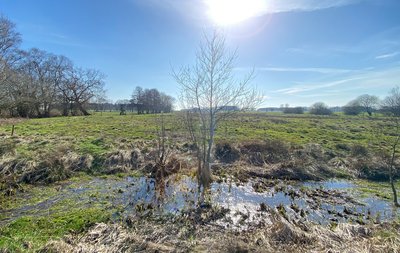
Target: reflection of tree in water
[(159, 191)]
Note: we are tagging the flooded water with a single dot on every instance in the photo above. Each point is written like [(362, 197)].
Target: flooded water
[(317, 202)]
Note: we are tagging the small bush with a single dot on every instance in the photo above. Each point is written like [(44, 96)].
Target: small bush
[(270, 151), (123, 161), (320, 108), (359, 150), (226, 153), (373, 169), (343, 146), (55, 113)]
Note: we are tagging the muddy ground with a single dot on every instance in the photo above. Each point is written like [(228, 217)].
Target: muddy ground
[(266, 197), (198, 231)]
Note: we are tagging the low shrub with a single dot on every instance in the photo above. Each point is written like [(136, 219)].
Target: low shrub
[(343, 146), (226, 153), (269, 151), (359, 150), (123, 161), (373, 169)]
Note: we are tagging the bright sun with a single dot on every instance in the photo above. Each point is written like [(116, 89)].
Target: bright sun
[(229, 12)]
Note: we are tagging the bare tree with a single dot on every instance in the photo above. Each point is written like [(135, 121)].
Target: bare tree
[(320, 108), (41, 68), (9, 42), (151, 101), (33, 81), (9, 54), (81, 86), (206, 89), (368, 103), (100, 101), (392, 106), (137, 99), (352, 108)]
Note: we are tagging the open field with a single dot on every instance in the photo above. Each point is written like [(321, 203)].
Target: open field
[(61, 176), (102, 132)]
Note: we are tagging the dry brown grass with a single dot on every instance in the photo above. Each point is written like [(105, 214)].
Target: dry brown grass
[(11, 121), (188, 235), (123, 161)]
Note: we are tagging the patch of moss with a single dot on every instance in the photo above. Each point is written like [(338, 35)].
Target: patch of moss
[(28, 234)]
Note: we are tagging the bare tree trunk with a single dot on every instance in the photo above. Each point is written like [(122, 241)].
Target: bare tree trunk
[(396, 203), (82, 109), (391, 172), (207, 179)]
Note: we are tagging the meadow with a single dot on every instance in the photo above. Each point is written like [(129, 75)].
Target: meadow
[(50, 202), (101, 132)]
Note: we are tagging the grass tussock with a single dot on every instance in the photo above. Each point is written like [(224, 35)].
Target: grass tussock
[(269, 151), (123, 161), (55, 166)]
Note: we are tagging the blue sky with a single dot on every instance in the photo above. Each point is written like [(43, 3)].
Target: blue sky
[(303, 51)]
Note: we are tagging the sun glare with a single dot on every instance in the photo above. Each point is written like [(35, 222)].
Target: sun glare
[(229, 12)]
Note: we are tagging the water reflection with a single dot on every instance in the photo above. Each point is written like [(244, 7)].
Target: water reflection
[(318, 202)]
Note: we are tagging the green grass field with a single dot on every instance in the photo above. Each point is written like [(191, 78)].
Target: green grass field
[(101, 133)]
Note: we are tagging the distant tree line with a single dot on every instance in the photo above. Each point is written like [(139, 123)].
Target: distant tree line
[(150, 101), (293, 110), (35, 83), (365, 103)]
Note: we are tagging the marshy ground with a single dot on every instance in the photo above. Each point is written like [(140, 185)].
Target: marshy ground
[(281, 183)]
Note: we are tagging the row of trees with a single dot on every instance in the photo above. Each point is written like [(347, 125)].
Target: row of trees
[(144, 101), (34, 82), (362, 104), (151, 101)]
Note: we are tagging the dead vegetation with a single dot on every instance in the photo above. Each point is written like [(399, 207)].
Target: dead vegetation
[(272, 159), (123, 161), (373, 168), (48, 168), (275, 159), (190, 233), (226, 153), (267, 152)]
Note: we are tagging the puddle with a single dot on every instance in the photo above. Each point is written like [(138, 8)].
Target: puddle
[(318, 202)]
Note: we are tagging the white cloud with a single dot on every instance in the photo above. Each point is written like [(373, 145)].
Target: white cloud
[(314, 70), (385, 56), (303, 88), (306, 5), (384, 78)]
